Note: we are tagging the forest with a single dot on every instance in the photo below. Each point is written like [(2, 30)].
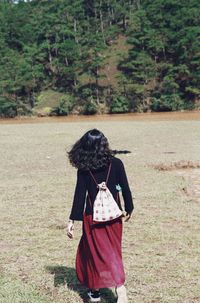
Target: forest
[(95, 56)]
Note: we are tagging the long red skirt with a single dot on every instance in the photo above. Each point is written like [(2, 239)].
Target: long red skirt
[(99, 258)]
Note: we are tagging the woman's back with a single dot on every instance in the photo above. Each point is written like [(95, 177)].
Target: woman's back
[(86, 188)]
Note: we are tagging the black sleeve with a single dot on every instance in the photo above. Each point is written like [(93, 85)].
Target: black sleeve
[(79, 198), (126, 193)]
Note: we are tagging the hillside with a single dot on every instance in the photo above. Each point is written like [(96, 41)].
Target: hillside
[(82, 57), (109, 77)]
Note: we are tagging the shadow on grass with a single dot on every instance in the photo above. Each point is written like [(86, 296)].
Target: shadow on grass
[(67, 276)]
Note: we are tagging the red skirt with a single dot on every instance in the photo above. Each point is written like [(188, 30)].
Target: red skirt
[(99, 258)]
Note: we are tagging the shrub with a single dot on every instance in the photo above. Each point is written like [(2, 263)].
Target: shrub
[(23, 109), (167, 103), (90, 108), (120, 104), (8, 108), (64, 107)]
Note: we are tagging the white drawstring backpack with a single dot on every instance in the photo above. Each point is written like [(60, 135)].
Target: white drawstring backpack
[(105, 207)]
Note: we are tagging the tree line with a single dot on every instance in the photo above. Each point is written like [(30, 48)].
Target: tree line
[(63, 45)]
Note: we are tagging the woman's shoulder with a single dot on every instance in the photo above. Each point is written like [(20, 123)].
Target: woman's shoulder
[(82, 172), (116, 161)]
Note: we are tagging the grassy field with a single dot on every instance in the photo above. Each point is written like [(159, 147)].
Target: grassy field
[(160, 244)]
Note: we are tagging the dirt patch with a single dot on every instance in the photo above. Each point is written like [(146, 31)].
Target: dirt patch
[(177, 165)]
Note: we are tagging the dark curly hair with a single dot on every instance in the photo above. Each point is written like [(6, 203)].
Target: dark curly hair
[(91, 151)]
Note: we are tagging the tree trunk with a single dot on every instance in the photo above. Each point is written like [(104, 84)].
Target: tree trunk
[(31, 99), (50, 61), (75, 31), (124, 22), (101, 22), (164, 54), (110, 15), (75, 82), (97, 84), (66, 61), (96, 19)]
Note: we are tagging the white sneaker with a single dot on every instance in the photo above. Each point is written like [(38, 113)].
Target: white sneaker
[(121, 294)]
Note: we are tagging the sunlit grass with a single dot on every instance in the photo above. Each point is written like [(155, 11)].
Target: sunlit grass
[(15, 291), (160, 243)]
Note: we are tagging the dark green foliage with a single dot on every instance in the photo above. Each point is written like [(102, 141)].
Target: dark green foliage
[(120, 104), (63, 46), (61, 110), (8, 108), (169, 102), (64, 108), (163, 65), (90, 108)]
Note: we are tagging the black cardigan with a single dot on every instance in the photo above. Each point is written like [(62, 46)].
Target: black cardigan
[(86, 186)]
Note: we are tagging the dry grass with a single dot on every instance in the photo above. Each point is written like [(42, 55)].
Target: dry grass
[(177, 165), (160, 244)]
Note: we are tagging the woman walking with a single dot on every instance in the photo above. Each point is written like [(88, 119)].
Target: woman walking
[(100, 174)]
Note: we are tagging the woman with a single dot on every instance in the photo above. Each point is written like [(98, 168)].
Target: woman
[(99, 258)]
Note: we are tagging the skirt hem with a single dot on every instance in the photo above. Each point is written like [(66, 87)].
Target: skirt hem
[(99, 286)]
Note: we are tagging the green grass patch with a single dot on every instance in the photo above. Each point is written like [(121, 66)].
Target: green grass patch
[(15, 291), (49, 100)]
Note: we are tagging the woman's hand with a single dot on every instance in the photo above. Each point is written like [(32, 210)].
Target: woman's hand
[(128, 216), (70, 229)]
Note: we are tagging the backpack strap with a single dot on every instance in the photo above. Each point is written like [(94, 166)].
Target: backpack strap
[(90, 202), (109, 169), (93, 177)]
